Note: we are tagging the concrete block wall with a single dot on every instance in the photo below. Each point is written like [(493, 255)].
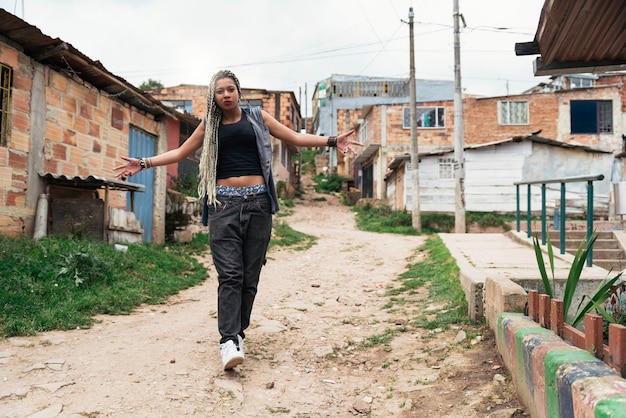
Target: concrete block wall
[(555, 379)]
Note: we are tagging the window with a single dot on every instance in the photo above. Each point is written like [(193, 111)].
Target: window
[(363, 132), (580, 82), (182, 104), (591, 116), (446, 168), (6, 76), (513, 113), (427, 117)]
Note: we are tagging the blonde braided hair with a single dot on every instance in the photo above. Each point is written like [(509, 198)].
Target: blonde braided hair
[(208, 159)]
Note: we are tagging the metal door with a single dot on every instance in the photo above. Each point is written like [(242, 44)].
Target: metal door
[(142, 144), (368, 181)]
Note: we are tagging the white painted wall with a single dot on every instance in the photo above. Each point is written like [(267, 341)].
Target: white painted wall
[(491, 172)]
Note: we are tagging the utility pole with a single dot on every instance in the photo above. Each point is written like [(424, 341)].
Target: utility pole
[(459, 157), (415, 195)]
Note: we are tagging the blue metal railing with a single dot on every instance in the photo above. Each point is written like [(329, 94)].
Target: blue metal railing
[(562, 181)]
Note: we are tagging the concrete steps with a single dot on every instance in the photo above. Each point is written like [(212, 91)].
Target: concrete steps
[(607, 250)]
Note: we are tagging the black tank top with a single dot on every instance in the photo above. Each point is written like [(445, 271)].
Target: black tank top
[(237, 150)]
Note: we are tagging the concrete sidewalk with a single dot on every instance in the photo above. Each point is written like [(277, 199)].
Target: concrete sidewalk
[(553, 378), (508, 256)]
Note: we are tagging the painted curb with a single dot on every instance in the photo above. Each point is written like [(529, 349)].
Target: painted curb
[(555, 379)]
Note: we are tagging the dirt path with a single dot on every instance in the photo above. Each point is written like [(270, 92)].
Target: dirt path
[(302, 354)]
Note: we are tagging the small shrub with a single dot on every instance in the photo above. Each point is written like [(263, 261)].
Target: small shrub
[(437, 222), (328, 184), (281, 188), (186, 183), (490, 220), (286, 202), (308, 159), (383, 219)]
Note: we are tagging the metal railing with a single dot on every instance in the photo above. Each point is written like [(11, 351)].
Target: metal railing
[(562, 181)]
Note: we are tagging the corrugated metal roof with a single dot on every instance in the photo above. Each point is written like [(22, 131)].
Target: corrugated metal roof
[(578, 36), (91, 182), (65, 58)]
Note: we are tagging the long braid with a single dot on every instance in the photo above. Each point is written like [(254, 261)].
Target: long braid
[(208, 160)]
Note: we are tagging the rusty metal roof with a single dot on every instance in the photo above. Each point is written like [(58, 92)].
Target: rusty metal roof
[(63, 57), (91, 182), (578, 36)]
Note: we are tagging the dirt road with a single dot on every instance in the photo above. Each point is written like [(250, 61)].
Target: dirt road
[(303, 357)]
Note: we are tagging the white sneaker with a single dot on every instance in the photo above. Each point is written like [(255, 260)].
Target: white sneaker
[(241, 345), (231, 355)]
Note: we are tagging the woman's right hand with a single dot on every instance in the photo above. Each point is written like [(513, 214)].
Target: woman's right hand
[(131, 168)]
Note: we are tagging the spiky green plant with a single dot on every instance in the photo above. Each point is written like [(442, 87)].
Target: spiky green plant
[(573, 278)]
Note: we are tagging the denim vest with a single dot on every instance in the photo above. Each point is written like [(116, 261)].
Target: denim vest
[(264, 146)]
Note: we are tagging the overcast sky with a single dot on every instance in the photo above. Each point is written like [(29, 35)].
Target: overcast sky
[(287, 44)]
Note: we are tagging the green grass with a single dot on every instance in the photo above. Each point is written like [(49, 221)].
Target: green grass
[(308, 159), (285, 236), (59, 284), (329, 184), (56, 283), (383, 219), (440, 275), (436, 274)]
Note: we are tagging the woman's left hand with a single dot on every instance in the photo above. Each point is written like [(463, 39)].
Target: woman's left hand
[(344, 143)]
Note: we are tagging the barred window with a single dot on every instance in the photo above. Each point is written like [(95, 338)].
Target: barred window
[(513, 113), (6, 76)]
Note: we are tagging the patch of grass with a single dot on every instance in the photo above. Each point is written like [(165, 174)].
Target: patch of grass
[(328, 184), (437, 222), (278, 410), (308, 159), (198, 244), (56, 283), (383, 339), (285, 236), (490, 219), (440, 274), (383, 219)]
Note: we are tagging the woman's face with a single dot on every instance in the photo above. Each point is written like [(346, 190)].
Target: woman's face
[(226, 94)]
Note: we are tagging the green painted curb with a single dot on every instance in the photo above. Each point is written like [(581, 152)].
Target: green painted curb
[(519, 346), (611, 407), (555, 359), (501, 318)]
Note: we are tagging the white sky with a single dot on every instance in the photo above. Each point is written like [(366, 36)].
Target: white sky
[(287, 44)]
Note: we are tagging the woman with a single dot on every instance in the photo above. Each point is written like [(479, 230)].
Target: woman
[(237, 182)]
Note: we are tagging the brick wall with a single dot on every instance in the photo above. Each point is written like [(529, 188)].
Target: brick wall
[(480, 118), (547, 112), (85, 133), (82, 135)]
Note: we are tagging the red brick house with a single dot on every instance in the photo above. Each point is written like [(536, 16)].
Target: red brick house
[(65, 121), (582, 112)]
